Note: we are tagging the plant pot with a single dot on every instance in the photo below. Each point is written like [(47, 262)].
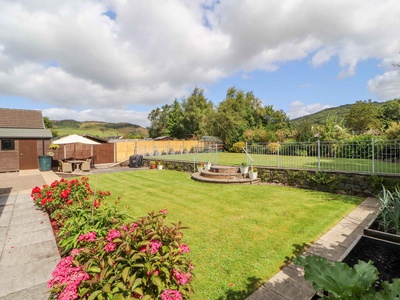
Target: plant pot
[(171, 152), (207, 166), (373, 231), (156, 153), (185, 152), (159, 167), (244, 170), (152, 166), (384, 254), (252, 175), (199, 169)]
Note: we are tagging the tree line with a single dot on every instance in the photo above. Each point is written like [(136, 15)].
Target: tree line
[(242, 117)]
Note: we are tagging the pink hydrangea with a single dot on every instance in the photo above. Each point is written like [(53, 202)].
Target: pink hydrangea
[(184, 248), (89, 237), (67, 274), (113, 234), (110, 247), (171, 295)]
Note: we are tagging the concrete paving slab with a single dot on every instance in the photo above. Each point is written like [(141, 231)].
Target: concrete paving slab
[(20, 255), (21, 277), (37, 292), (5, 218), (27, 238)]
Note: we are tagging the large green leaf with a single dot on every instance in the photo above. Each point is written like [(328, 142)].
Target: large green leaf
[(338, 278)]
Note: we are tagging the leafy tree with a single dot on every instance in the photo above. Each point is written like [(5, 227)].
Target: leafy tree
[(235, 115), (175, 126), (393, 132), (47, 123), (159, 121), (363, 115), (195, 109), (304, 132), (390, 112)]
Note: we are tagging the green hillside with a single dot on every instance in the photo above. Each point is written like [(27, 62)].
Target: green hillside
[(321, 116), (96, 128)]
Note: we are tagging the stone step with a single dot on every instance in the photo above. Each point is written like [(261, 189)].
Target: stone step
[(223, 175), (199, 177), (224, 169)]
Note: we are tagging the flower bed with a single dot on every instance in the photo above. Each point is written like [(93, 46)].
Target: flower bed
[(108, 256)]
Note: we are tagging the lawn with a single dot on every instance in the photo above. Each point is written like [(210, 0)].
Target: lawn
[(239, 235), (285, 161)]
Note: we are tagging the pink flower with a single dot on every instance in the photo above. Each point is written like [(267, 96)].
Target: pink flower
[(163, 211), (180, 278), (75, 252), (171, 295), (67, 274), (154, 246), (110, 247), (113, 234), (184, 248), (90, 237)]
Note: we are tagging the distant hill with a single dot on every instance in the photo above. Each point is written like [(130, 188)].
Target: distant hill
[(96, 128), (321, 116)]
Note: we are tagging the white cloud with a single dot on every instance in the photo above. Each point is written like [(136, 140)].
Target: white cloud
[(68, 54), (386, 86), (299, 109), (103, 115)]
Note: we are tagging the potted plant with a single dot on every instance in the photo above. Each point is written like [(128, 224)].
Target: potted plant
[(244, 168), (200, 167), (152, 164), (253, 173), (163, 153), (191, 149), (159, 165), (171, 151), (207, 166), (156, 153), (185, 151)]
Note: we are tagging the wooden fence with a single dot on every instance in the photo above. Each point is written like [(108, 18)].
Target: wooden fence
[(122, 150)]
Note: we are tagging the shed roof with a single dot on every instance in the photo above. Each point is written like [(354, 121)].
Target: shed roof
[(21, 118), (15, 133)]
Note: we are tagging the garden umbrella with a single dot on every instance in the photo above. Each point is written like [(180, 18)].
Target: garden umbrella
[(75, 139)]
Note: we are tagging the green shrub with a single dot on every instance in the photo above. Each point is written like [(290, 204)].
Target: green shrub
[(272, 148), (107, 259), (238, 147)]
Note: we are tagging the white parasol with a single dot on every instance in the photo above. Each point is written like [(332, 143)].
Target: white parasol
[(75, 139)]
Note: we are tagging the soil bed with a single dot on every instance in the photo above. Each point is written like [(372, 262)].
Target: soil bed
[(385, 257)]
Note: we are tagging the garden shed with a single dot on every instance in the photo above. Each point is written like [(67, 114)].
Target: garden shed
[(23, 137)]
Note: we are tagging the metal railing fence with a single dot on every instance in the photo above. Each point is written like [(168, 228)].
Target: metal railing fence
[(363, 156)]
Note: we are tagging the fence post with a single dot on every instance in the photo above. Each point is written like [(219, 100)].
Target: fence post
[(373, 155), (319, 155), (278, 155), (216, 151), (246, 153)]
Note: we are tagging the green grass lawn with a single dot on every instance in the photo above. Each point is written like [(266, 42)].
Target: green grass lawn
[(284, 161), (239, 235)]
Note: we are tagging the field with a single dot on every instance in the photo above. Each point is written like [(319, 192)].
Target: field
[(239, 235)]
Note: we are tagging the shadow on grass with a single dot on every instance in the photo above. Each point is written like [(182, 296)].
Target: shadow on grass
[(253, 283), (298, 250)]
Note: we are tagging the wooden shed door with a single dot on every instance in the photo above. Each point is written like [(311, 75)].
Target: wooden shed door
[(28, 158)]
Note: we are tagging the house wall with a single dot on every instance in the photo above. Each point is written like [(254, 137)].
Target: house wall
[(9, 159)]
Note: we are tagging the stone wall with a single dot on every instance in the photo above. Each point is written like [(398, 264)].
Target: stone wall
[(335, 182)]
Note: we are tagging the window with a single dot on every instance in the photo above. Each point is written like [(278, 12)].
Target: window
[(7, 145)]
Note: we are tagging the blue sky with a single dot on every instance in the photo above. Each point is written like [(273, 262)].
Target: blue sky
[(117, 60)]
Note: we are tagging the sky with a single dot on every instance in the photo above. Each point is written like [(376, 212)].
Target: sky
[(116, 60)]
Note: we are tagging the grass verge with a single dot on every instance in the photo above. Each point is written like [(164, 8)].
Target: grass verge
[(239, 235)]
